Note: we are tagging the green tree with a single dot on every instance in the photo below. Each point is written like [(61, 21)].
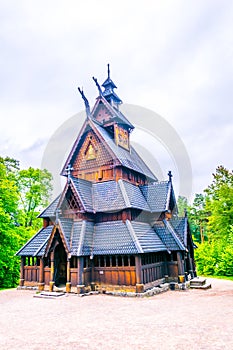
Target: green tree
[(35, 191), (219, 204), (8, 214), (213, 214), (22, 195), (198, 218), (182, 204)]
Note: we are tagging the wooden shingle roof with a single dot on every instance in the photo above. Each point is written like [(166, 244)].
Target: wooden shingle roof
[(37, 244)]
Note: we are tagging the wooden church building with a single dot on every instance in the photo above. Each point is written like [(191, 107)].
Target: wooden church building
[(115, 225)]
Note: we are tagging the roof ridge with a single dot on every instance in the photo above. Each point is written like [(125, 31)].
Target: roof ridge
[(59, 226), (71, 235), (133, 236), (168, 195), (79, 196), (172, 230), (124, 193), (41, 246), (74, 146), (38, 216), (81, 238), (36, 234), (163, 241)]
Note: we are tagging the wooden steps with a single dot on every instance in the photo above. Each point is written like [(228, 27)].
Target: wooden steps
[(49, 295), (199, 283)]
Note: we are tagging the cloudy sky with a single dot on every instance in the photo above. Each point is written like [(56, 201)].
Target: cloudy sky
[(172, 57)]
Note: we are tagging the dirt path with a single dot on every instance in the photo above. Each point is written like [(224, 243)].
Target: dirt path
[(174, 320)]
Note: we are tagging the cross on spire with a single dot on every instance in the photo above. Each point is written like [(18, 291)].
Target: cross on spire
[(108, 71), (69, 170)]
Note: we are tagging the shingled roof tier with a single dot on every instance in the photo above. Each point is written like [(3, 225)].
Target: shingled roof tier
[(85, 238), (49, 212), (37, 244), (111, 196), (127, 158)]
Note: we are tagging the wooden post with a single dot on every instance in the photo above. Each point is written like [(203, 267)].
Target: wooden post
[(80, 285), (180, 265), (68, 284), (191, 266), (139, 280), (51, 283), (80, 269), (41, 275), (92, 274), (22, 263)]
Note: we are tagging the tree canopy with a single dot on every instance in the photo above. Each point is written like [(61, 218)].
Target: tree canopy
[(23, 193), (211, 222)]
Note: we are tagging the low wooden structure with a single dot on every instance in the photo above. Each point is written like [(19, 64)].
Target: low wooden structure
[(114, 226)]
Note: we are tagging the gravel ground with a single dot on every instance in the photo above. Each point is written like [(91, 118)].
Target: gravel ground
[(192, 319)]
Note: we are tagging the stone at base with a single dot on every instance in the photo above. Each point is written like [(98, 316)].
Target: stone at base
[(80, 288), (21, 282), (51, 286), (41, 287), (139, 288), (68, 287)]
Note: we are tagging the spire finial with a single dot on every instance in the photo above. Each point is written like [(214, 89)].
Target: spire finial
[(170, 175), (98, 86), (87, 106), (108, 71)]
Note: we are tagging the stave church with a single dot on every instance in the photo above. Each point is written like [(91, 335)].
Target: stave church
[(115, 226)]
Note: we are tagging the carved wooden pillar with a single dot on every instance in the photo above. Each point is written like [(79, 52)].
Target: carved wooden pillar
[(22, 263), (180, 264), (51, 283), (139, 279), (68, 284), (41, 275)]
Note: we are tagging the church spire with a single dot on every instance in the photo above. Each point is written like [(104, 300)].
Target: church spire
[(109, 92)]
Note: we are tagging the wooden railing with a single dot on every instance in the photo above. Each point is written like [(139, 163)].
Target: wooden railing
[(115, 275), (152, 272), (31, 273)]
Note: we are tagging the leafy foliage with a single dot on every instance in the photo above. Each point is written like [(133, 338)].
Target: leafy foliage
[(18, 222), (211, 221), (35, 188)]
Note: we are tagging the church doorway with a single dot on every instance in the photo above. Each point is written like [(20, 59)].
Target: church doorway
[(60, 261)]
